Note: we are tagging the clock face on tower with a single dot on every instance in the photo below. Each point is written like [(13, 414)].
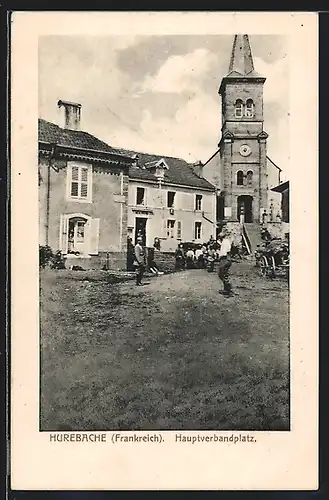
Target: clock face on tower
[(245, 150)]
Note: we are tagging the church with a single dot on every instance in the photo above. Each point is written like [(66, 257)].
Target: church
[(241, 168)]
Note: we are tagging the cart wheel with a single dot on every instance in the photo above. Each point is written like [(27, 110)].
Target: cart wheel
[(263, 265), (273, 267)]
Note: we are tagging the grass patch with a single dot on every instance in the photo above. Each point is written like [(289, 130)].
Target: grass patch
[(114, 356)]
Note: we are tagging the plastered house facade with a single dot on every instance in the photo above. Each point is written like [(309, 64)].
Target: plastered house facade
[(83, 194), (92, 196)]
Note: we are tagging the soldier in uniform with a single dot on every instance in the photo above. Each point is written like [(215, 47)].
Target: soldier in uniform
[(225, 262), (139, 261)]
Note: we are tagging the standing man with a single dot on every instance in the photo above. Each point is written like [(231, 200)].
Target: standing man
[(179, 258), (199, 256), (139, 261), (225, 263), (190, 258)]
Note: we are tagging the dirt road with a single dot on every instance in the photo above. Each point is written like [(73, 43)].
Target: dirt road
[(173, 354)]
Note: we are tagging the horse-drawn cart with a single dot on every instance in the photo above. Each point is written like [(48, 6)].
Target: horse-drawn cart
[(272, 258)]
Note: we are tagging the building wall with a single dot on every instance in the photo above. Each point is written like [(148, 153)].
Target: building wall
[(156, 212), (274, 199), (234, 162), (245, 130), (243, 90), (285, 206), (107, 204), (213, 172)]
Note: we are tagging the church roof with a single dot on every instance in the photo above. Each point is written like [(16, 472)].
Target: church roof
[(241, 62)]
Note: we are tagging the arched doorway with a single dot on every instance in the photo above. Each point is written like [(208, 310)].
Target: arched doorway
[(77, 235), (245, 208)]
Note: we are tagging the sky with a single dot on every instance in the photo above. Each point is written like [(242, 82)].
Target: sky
[(159, 94)]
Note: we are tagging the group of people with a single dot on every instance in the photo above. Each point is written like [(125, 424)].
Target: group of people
[(200, 256), (204, 256)]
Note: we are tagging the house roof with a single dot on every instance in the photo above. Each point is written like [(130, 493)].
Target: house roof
[(281, 187), (51, 133), (179, 171)]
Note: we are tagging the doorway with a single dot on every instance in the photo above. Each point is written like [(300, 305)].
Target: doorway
[(245, 208), (77, 236), (140, 229)]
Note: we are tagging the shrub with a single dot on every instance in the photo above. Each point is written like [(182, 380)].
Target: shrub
[(57, 260), (45, 255), (48, 258)]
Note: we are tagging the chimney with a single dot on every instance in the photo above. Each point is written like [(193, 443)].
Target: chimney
[(198, 168), (72, 114)]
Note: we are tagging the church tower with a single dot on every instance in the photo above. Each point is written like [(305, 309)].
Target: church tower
[(243, 141)]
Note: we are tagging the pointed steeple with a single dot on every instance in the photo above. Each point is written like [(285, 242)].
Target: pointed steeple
[(241, 62), (241, 59)]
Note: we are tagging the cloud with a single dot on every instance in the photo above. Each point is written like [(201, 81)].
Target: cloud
[(192, 134), (278, 144), (180, 73), (81, 69), (276, 87), (178, 112)]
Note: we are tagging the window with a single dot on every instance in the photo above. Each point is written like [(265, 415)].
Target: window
[(80, 182), (198, 202), (249, 177), (170, 199), (170, 228), (197, 230), (249, 111), (179, 230), (239, 178), (140, 196), (238, 109)]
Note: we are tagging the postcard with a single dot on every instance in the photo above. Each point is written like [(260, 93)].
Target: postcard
[(164, 272)]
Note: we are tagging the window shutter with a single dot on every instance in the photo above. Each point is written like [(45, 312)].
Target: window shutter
[(93, 236), (164, 228), (63, 233), (179, 229)]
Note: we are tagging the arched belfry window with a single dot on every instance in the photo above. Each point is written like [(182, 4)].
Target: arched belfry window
[(239, 178), (238, 108), (249, 177), (249, 111)]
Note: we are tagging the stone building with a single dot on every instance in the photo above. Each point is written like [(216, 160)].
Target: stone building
[(241, 168)]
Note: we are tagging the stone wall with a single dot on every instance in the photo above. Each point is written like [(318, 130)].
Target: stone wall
[(277, 229), (115, 261), (234, 230)]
